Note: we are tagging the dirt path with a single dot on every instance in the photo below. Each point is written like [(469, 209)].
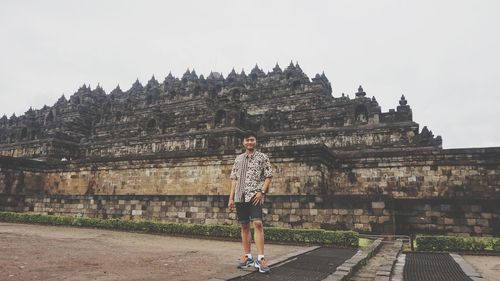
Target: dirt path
[(488, 266), (35, 252)]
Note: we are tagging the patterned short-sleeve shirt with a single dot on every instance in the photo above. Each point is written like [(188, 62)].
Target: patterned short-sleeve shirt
[(250, 173)]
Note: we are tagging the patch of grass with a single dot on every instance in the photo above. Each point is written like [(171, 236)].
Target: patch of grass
[(364, 243), (457, 243), (308, 236)]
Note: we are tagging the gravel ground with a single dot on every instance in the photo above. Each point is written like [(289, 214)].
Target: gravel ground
[(36, 252), (487, 266)]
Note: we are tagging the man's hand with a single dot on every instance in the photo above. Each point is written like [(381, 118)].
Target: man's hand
[(231, 204), (258, 199)]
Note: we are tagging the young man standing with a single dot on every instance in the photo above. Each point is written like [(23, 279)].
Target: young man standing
[(251, 176)]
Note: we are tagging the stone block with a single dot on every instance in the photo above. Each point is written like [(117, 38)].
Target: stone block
[(383, 273), (344, 268), (477, 229), (359, 226), (343, 211), (445, 207), (378, 205), (383, 219), (136, 212), (211, 221), (483, 222), (475, 208), (364, 219), (358, 212), (486, 215), (449, 221)]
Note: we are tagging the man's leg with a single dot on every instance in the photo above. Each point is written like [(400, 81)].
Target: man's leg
[(261, 262), (258, 226), (243, 214), (259, 236), (246, 237)]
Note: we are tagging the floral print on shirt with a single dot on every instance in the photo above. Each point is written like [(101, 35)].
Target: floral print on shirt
[(250, 173)]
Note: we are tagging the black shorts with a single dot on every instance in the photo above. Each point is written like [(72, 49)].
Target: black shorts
[(246, 212)]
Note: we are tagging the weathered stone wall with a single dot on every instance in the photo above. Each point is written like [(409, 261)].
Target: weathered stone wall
[(178, 173), (446, 191), (194, 141), (359, 213), (21, 177), (454, 173), (445, 216), (57, 149), (347, 138)]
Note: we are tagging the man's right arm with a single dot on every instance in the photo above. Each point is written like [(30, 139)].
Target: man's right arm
[(234, 180), (231, 195)]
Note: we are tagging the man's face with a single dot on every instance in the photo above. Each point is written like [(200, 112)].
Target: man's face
[(250, 143)]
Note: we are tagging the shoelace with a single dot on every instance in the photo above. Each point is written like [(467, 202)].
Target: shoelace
[(263, 263)]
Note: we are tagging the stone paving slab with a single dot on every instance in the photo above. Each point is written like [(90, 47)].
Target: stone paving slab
[(487, 265), (397, 271), (467, 268)]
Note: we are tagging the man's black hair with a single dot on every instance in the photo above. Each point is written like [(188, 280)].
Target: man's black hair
[(248, 134)]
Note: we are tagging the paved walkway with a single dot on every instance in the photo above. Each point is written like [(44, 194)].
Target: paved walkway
[(368, 271)]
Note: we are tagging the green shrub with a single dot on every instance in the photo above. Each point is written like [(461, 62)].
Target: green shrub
[(312, 236), (496, 245), (456, 243)]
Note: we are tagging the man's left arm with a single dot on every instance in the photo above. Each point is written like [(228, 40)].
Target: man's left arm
[(265, 186), (268, 175)]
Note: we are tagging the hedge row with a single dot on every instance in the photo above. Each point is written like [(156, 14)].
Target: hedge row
[(314, 236), (457, 244)]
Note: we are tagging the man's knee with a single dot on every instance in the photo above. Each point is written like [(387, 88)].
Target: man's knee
[(257, 224), (245, 226)]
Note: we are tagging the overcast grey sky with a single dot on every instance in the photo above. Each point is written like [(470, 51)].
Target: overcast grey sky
[(444, 56)]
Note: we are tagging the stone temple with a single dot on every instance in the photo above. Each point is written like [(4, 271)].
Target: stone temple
[(164, 151)]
